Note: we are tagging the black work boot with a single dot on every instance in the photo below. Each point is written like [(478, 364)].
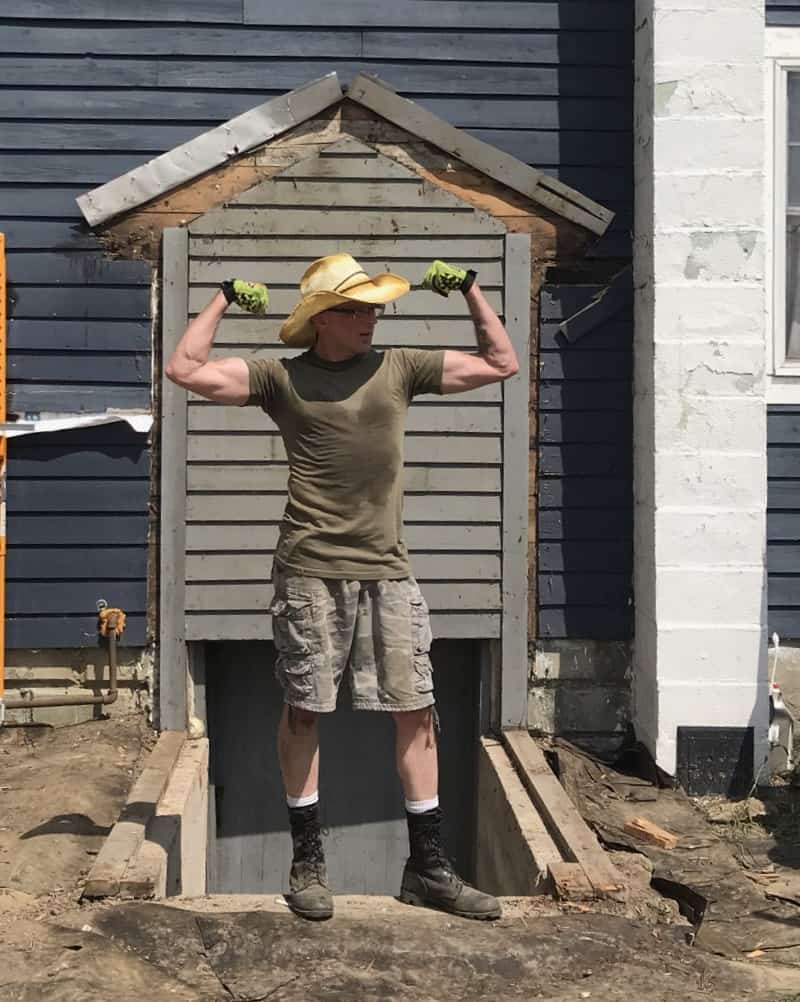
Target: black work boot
[(309, 894), (429, 878)]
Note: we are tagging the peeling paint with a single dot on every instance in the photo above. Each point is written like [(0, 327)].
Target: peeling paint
[(663, 95)]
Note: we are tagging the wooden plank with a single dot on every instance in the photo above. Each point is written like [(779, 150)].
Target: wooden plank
[(783, 557), (783, 525), (434, 449), (207, 271), (255, 566), (69, 631), (366, 168), (80, 335), (417, 303), (585, 492), (208, 150), (40, 234), (570, 832), (783, 494), (284, 194), (56, 495), (76, 529), (555, 195), (88, 367), (225, 11), (586, 555), (180, 40), (569, 882), (501, 47), (578, 623), (246, 626), (580, 14), (92, 303), (585, 588), (584, 459), (586, 365), (87, 562), (437, 538), (516, 451), (587, 426), (67, 461), (483, 419), (127, 835), (783, 461), (456, 332), (80, 596), (609, 394), (455, 596), (86, 268), (172, 645), (576, 523), (238, 222), (269, 507), (258, 477), (647, 831), (783, 589), (471, 247)]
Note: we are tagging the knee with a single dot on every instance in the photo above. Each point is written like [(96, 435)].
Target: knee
[(412, 721), (300, 720)]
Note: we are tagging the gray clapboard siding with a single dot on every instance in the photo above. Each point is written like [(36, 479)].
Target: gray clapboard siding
[(207, 271), (428, 449), (249, 626), (222, 596), (434, 418), (263, 536), (585, 490), (226, 11), (783, 520), (427, 567), (223, 507), (460, 520), (475, 248), (422, 479)]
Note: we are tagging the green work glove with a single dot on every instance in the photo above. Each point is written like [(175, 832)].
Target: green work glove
[(444, 278), (252, 297)]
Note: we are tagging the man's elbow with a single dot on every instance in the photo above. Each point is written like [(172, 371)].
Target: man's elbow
[(510, 368)]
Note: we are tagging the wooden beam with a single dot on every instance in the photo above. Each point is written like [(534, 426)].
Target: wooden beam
[(560, 198), (570, 832)]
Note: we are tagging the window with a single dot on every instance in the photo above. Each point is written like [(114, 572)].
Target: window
[(783, 189)]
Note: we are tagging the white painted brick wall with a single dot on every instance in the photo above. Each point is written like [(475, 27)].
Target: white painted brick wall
[(699, 372)]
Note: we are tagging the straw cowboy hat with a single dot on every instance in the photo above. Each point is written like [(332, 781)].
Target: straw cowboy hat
[(329, 281)]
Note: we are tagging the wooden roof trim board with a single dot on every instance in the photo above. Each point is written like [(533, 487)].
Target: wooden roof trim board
[(379, 97), (209, 150), (267, 121)]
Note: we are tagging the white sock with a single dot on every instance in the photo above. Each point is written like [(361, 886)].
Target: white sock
[(307, 801), (420, 806)]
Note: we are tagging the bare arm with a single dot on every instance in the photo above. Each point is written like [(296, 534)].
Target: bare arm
[(226, 380), (495, 360)]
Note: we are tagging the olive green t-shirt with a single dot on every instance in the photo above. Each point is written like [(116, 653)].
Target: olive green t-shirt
[(343, 425)]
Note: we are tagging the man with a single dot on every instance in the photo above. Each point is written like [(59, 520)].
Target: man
[(344, 594)]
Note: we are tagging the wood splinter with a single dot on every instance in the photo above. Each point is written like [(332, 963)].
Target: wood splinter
[(648, 831)]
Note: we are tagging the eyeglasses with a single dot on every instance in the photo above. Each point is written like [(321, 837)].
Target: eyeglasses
[(368, 312)]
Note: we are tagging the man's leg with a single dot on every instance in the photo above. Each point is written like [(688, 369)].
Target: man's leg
[(429, 878), (298, 752)]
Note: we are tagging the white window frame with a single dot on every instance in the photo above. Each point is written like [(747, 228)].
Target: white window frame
[(782, 52)]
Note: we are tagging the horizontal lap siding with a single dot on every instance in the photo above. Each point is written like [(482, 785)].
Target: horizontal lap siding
[(237, 470), (783, 13), (585, 457), (783, 520), (77, 530), (89, 91)]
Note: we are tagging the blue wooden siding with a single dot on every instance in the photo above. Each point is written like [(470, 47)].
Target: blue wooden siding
[(783, 520), (77, 525), (90, 89), (783, 13), (585, 473)]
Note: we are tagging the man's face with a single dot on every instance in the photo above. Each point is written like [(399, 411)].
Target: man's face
[(350, 328)]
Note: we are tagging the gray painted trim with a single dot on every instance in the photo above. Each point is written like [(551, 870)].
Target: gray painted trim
[(209, 150), (376, 95), (253, 625), (172, 642), (514, 692)]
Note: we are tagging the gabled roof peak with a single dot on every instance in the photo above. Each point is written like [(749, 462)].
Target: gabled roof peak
[(261, 124)]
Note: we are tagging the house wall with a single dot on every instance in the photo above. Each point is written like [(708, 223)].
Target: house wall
[(550, 82), (783, 13), (699, 386)]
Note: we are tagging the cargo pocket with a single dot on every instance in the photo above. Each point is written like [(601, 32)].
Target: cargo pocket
[(292, 626), (295, 676), (421, 639)]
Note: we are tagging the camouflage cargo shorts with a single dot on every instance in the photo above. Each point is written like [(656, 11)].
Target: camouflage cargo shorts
[(380, 630)]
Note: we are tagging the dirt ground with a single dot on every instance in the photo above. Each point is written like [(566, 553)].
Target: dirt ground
[(731, 888)]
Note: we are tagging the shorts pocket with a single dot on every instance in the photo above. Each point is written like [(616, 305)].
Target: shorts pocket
[(295, 676), (421, 636), (292, 626), (423, 673)]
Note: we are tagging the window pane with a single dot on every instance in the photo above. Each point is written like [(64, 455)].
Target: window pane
[(793, 287), (793, 104)]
